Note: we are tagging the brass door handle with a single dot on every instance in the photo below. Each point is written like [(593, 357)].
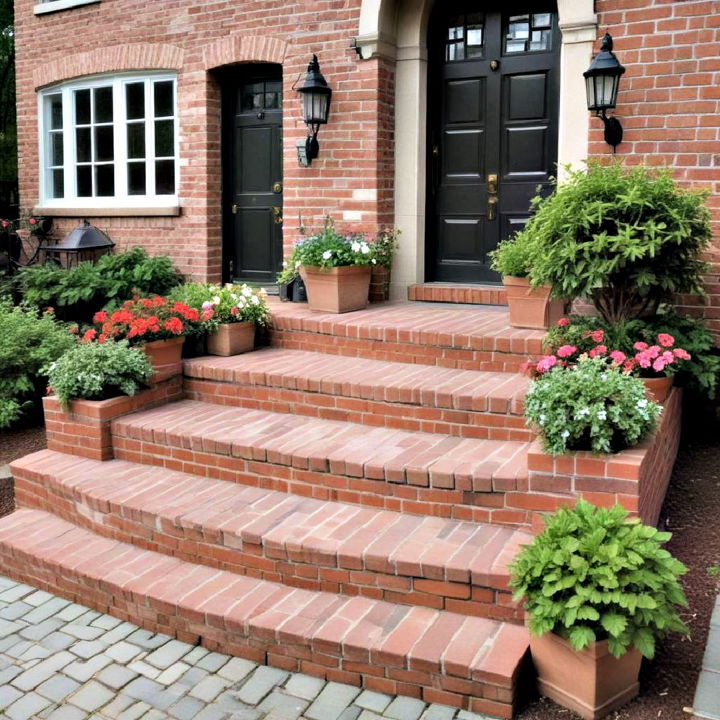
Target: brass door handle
[(492, 184), (234, 208), (277, 215), (492, 208)]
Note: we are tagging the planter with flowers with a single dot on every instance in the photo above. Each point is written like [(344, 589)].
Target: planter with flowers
[(335, 268), (529, 307), (157, 324), (599, 589)]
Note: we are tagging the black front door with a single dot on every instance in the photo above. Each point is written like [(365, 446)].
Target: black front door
[(493, 101), (252, 169)]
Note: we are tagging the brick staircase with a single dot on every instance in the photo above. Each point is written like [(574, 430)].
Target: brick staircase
[(344, 503)]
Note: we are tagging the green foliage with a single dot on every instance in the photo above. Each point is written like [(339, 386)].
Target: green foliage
[(700, 374), (8, 120), (87, 287), (595, 574), (514, 256), (97, 371), (28, 342), (589, 407), (627, 239)]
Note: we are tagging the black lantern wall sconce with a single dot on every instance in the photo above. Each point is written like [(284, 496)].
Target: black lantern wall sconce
[(316, 96), (602, 80)]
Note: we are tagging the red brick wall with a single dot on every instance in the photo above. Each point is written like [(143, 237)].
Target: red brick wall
[(669, 100)]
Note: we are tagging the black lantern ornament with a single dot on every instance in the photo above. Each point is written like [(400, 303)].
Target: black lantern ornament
[(602, 80), (316, 108), (85, 243)]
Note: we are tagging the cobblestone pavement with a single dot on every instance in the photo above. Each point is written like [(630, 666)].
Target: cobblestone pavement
[(62, 661)]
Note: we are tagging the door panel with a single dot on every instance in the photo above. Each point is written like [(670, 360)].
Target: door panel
[(252, 159), (496, 75)]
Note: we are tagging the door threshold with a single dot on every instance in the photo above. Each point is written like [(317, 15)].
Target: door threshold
[(464, 293)]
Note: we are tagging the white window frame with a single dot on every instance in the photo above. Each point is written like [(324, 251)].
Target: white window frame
[(121, 199), (49, 6)]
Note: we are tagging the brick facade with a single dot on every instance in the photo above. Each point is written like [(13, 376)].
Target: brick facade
[(669, 103)]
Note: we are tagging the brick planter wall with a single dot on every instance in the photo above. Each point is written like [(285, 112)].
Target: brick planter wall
[(7, 493), (84, 429)]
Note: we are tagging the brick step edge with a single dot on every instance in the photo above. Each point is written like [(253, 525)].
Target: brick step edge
[(487, 485), (472, 663), (222, 525), (452, 293)]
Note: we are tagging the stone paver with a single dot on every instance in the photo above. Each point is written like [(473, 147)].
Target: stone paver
[(63, 661), (707, 692)]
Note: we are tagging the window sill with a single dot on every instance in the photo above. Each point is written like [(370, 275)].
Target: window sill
[(57, 5), (81, 212)]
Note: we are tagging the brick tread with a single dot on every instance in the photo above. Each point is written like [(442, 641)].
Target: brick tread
[(358, 639), (457, 293), (416, 559), (341, 448)]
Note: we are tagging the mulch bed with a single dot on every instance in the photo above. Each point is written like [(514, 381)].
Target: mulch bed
[(691, 512)]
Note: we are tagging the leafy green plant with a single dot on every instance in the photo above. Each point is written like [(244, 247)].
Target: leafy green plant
[(28, 342), (627, 239), (594, 574), (97, 371), (589, 406), (514, 257), (81, 290)]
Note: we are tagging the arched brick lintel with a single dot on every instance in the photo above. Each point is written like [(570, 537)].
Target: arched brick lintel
[(118, 58), (244, 48)]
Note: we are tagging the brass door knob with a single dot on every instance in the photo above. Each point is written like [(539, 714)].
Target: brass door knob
[(277, 215)]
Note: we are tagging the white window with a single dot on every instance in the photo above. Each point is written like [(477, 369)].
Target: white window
[(109, 142)]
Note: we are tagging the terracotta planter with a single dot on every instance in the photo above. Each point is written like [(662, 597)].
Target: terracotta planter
[(592, 682), (658, 389), (531, 307), (337, 290), (166, 358), (232, 339)]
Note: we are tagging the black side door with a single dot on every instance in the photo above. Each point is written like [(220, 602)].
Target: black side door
[(252, 169), (493, 101)]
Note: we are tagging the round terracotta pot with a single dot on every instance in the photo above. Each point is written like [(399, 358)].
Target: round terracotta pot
[(231, 339), (166, 358), (658, 389), (531, 307), (338, 289), (592, 682)]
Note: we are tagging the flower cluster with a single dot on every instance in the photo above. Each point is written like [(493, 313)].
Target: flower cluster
[(33, 224), (142, 320), (568, 344)]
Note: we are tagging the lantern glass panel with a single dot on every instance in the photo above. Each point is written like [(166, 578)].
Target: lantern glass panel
[(315, 107)]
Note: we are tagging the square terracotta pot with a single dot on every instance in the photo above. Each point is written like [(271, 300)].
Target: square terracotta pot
[(592, 682), (232, 339), (166, 358), (338, 289), (531, 307)]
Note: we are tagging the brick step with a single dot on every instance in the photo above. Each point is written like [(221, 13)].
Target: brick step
[(411, 472), (456, 293), (467, 403), (458, 336), (470, 662), (302, 542)]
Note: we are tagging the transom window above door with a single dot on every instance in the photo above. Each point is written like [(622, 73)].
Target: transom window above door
[(465, 37), (531, 32), (109, 142)]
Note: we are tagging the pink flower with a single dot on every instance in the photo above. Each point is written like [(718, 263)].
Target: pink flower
[(668, 357), (659, 365), (545, 363), (598, 336), (234, 311), (527, 366), (681, 354), (653, 351), (640, 346), (628, 366), (207, 305), (618, 357), (563, 322), (32, 221), (643, 360), (597, 351), (566, 351), (666, 340)]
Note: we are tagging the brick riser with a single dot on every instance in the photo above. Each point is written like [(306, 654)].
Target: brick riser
[(461, 423), (344, 571), (456, 293), (468, 662)]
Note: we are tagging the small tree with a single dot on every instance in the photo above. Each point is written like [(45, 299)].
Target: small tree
[(628, 240)]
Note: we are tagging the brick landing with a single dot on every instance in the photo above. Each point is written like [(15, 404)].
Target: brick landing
[(438, 656)]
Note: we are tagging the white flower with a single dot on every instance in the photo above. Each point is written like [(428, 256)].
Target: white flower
[(364, 249), (263, 291), (642, 403), (284, 263), (583, 412), (255, 300), (234, 296), (297, 264), (216, 300), (327, 254), (543, 418), (602, 415), (241, 302), (246, 291), (355, 247), (374, 261), (565, 434)]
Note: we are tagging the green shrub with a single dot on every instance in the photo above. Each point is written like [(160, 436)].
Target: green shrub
[(514, 256), (97, 371), (594, 574), (590, 406), (627, 239), (78, 292), (28, 342)]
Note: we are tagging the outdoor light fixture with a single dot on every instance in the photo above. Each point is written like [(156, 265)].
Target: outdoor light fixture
[(602, 79), (83, 244), (316, 107)]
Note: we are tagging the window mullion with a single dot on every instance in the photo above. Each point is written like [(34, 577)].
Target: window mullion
[(150, 138), (120, 134), (69, 148)]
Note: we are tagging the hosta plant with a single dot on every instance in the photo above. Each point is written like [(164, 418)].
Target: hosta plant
[(589, 406), (595, 574), (97, 371)]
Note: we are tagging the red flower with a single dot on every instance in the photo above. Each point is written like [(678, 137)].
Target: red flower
[(32, 221), (73, 330), (89, 335), (102, 338), (100, 316), (598, 336), (563, 322), (174, 325), (49, 390), (5, 223), (666, 340), (147, 303), (159, 301), (50, 310)]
